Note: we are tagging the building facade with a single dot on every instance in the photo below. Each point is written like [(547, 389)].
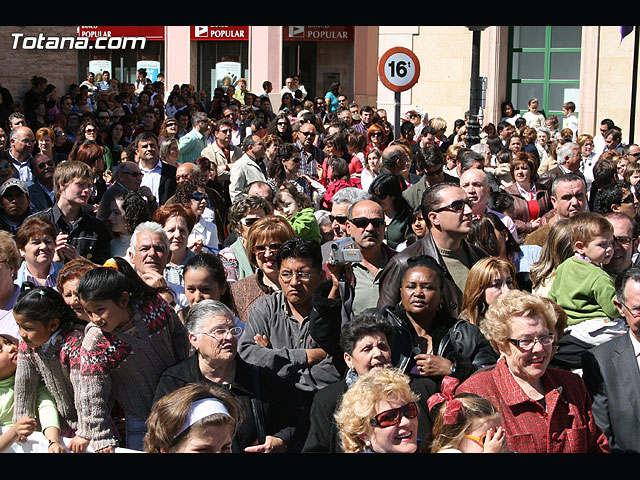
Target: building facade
[(593, 66)]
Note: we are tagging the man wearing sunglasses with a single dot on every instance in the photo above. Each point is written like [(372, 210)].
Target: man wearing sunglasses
[(366, 225), (41, 190), (448, 214), (429, 162)]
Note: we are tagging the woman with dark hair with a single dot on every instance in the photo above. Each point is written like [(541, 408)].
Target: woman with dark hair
[(244, 212), (88, 130), (127, 211), (205, 279), (192, 194), (509, 113), (335, 146), (284, 168), (338, 177), (397, 211), (133, 337), (331, 97), (281, 126), (115, 141)]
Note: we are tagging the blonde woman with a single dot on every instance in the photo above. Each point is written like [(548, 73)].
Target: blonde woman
[(376, 411)]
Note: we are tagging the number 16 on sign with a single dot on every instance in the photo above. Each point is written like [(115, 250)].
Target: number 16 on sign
[(398, 70)]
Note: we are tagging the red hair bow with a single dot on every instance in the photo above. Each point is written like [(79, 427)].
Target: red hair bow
[(447, 390)]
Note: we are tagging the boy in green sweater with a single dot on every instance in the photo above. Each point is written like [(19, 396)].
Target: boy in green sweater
[(584, 289)]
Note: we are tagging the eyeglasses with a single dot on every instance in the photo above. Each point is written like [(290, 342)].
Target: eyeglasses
[(528, 343), (376, 134), (247, 222), (363, 222), (479, 440), (48, 163), (5, 165), (273, 248), (90, 130), (456, 206), (308, 134), (220, 333), (392, 417), (635, 311), (628, 199), (296, 159), (623, 240), (341, 219), (281, 124), (287, 276)]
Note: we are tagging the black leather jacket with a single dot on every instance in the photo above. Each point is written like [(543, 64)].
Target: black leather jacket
[(456, 340)]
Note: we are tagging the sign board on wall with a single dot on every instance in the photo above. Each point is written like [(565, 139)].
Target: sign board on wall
[(99, 66), (330, 33), (152, 67), (219, 33), (226, 73), (147, 31)]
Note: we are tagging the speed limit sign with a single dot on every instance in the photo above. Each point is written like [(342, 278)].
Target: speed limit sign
[(399, 69)]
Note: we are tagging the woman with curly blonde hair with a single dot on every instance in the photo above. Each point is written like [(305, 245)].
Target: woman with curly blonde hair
[(379, 413)]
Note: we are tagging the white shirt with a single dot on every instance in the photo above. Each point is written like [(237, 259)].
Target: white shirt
[(207, 230), (151, 178)]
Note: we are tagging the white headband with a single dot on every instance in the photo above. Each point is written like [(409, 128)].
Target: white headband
[(201, 409)]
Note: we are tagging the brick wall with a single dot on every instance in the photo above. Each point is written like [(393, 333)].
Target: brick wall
[(18, 66)]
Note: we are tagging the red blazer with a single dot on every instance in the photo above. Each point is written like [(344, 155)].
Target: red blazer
[(567, 426)]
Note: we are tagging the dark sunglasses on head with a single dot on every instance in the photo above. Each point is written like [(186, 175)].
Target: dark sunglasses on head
[(456, 206), (247, 222), (341, 219), (363, 222), (388, 418), (198, 196)]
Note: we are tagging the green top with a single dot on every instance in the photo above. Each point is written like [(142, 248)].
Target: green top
[(46, 406), (584, 290), (458, 264)]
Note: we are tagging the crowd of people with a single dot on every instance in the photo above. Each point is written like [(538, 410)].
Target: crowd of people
[(183, 272)]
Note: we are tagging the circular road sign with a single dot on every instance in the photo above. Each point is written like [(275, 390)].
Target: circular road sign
[(399, 69)]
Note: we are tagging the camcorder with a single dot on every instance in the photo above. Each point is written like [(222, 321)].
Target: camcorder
[(344, 251)]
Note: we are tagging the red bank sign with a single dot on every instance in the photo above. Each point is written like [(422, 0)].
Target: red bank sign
[(149, 32), (219, 33)]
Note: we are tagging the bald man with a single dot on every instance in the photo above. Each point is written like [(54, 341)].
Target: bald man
[(476, 184)]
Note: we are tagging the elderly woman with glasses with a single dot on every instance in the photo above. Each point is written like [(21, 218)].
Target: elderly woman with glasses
[(544, 410), (379, 414), (243, 213), (213, 333)]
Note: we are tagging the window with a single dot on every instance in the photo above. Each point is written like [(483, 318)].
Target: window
[(545, 64)]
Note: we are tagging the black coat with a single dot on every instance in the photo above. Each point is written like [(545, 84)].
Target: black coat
[(253, 387)]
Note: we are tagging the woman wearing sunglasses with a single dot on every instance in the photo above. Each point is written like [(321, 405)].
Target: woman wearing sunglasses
[(243, 213), (397, 210), (264, 240), (365, 342), (544, 410), (379, 414), (192, 194)]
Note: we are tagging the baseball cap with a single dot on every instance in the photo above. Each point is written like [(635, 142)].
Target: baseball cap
[(13, 182)]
